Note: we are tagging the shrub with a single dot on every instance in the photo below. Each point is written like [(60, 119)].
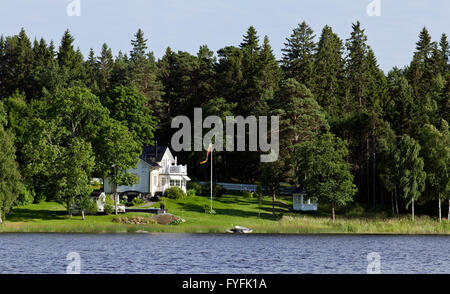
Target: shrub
[(109, 205), (247, 194), (209, 210), (218, 191), (195, 186), (93, 209), (162, 203), (190, 192), (175, 193), (137, 201), (26, 197), (108, 208)]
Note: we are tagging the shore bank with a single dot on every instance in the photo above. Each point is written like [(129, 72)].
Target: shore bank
[(50, 217)]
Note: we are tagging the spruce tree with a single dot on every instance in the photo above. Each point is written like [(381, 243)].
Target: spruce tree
[(328, 77), (298, 54), (356, 68)]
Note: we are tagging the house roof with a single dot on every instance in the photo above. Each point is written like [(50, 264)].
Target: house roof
[(298, 190), (152, 155)]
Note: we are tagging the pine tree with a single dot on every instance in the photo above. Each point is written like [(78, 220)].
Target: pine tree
[(70, 62), (328, 77), (298, 54), (444, 52), (105, 64), (356, 68), (143, 73)]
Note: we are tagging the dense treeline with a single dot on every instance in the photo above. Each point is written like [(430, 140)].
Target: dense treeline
[(346, 128)]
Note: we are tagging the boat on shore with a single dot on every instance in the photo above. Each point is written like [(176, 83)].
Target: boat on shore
[(240, 230)]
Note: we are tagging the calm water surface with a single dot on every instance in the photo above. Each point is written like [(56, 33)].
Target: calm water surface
[(185, 253)]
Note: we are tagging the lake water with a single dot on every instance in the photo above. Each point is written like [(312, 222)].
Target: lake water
[(206, 254)]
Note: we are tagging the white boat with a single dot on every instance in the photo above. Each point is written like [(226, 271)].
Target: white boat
[(240, 230)]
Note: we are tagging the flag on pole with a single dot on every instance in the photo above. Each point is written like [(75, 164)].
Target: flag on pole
[(207, 154)]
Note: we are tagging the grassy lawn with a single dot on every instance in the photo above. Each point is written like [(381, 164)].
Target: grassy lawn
[(230, 210)]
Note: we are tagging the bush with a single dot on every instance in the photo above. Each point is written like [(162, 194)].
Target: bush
[(190, 192), (93, 209), (162, 203), (209, 210), (195, 186), (108, 208), (137, 201), (109, 205), (219, 191), (247, 194), (175, 193), (26, 197)]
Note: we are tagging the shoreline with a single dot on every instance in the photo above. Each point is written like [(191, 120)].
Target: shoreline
[(125, 230), (50, 217)]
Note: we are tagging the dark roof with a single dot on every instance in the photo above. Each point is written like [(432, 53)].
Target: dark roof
[(152, 155), (298, 190)]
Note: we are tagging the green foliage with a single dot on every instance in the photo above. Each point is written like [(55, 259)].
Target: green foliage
[(128, 105), (137, 201), (108, 208), (26, 197), (412, 180), (325, 170), (10, 179), (247, 194), (162, 202), (298, 54), (190, 192), (93, 208), (174, 193), (191, 185)]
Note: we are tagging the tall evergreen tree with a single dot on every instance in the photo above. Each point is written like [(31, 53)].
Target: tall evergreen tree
[(298, 54), (356, 68), (328, 72)]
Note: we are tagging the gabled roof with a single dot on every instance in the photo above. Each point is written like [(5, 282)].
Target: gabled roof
[(152, 155)]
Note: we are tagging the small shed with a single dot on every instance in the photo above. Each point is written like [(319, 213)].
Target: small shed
[(301, 202)]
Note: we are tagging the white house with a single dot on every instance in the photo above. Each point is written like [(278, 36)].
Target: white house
[(301, 202), (156, 171)]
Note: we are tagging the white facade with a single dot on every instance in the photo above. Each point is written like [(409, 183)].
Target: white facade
[(302, 203), (155, 178)]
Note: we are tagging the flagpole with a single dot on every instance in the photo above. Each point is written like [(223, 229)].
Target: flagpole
[(212, 151)]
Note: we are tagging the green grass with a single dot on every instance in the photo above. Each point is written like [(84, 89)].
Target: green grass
[(230, 210)]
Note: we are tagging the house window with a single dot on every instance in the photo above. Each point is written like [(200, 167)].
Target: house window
[(175, 183), (155, 181), (163, 181)]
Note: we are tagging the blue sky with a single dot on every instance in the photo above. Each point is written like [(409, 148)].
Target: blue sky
[(187, 24)]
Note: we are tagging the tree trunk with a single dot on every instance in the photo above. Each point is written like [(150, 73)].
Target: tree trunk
[(440, 214), (368, 171), (273, 202), (115, 203), (412, 209), (333, 215), (82, 214), (374, 170), (1, 218), (392, 202), (448, 210), (396, 200)]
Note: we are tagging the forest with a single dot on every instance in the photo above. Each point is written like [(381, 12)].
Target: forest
[(348, 130)]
